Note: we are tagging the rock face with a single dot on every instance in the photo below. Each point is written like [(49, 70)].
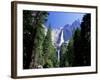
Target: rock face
[(63, 34)]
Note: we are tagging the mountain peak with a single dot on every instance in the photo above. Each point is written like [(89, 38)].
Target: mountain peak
[(64, 33)]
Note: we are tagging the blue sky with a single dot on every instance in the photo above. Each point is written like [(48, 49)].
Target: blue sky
[(59, 19)]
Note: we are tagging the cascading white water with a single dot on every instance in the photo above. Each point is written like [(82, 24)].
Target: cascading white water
[(58, 54), (59, 45)]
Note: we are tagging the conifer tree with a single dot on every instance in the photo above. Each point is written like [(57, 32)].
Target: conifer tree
[(38, 38), (86, 39), (70, 53), (27, 37), (63, 51), (82, 43), (48, 50), (77, 48), (67, 54)]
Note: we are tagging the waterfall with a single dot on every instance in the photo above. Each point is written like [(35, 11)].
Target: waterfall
[(59, 45), (62, 39), (58, 55)]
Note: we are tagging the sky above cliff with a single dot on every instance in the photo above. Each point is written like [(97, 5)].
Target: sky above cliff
[(60, 19)]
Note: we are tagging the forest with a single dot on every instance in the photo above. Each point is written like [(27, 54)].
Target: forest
[(39, 52)]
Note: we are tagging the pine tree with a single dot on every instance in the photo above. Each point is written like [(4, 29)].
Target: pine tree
[(63, 51), (67, 54), (77, 48), (38, 38), (86, 39), (48, 50), (27, 38), (70, 53), (82, 43)]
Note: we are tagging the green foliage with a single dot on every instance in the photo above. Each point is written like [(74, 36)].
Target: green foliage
[(27, 38), (48, 64), (38, 40), (33, 34), (62, 55), (47, 45), (70, 53), (48, 51), (67, 55), (82, 43), (54, 57), (27, 21), (86, 39), (77, 48)]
